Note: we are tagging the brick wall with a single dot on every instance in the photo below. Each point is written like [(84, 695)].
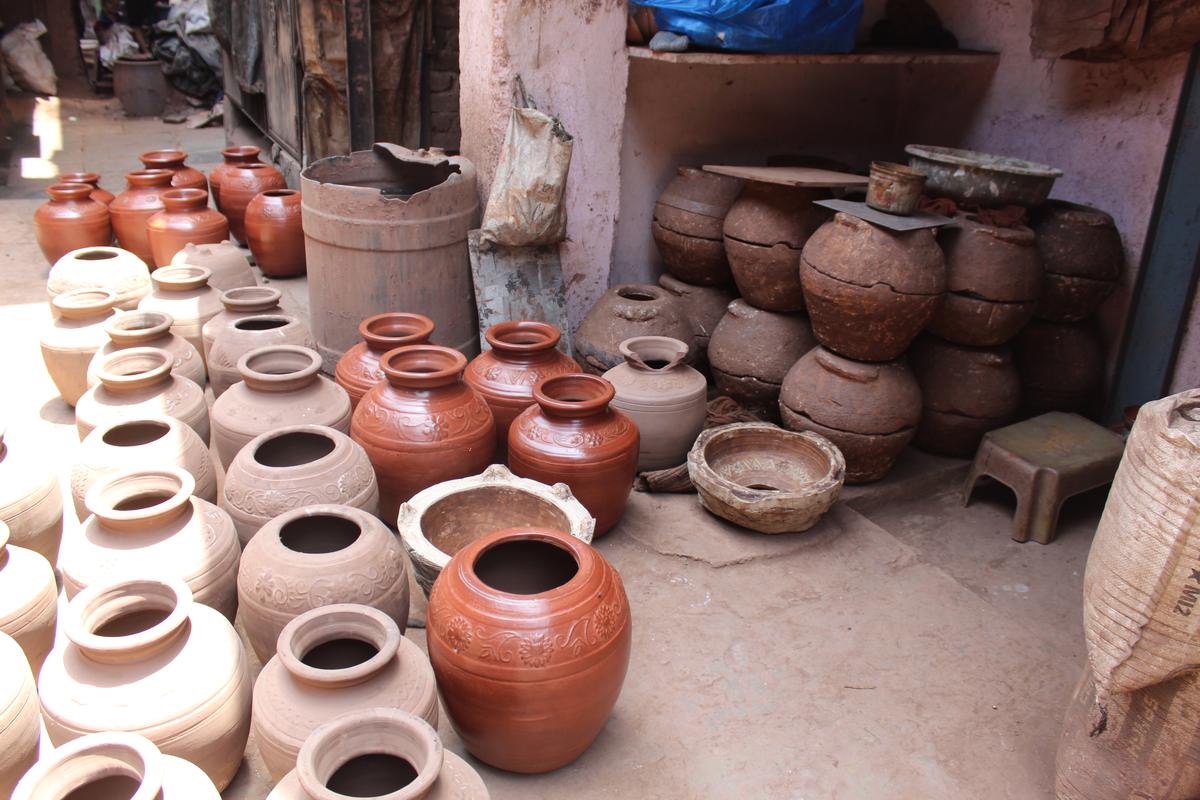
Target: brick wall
[(442, 65)]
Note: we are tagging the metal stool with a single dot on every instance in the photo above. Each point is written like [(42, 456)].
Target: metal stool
[(1045, 460)]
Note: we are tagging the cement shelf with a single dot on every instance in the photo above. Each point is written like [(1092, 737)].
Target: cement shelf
[(865, 56)]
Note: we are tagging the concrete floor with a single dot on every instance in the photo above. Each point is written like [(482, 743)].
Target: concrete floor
[(906, 647)]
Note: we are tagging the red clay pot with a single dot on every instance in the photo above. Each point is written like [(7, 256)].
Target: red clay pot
[(133, 208), (358, 369), (234, 157), (529, 634), (185, 219), (423, 424), (69, 220), (274, 234), (184, 177), (91, 179), (523, 354), (573, 436), (240, 184)]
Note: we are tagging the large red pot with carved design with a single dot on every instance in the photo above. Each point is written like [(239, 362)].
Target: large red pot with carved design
[(529, 633)]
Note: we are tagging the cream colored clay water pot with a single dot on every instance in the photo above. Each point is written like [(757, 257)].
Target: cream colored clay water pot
[(28, 600), (30, 500), (19, 718), (148, 329), (119, 271), (71, 341), (138, 383)]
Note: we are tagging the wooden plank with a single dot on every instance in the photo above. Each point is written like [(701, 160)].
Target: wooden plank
[(804, 177), (281, 73), (867, 56), (518, 283), (359, 77)]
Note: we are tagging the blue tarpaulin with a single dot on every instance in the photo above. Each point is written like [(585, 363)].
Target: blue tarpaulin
[(763, 26)]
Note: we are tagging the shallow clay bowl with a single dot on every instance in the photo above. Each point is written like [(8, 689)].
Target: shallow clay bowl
[(765, 478)]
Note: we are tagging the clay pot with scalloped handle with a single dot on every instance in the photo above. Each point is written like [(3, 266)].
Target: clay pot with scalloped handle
[(148, 329), (70, 220), (358, 369), (74, 338), (28, 599)]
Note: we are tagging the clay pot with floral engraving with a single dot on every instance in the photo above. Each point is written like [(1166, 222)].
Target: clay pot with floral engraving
[(522, 355), (111, 268), (140, 655), (572, 435), (317, 556), (380, 752), (529, 634), (229, 266), (147, 521), (331, 661), (274, 233), (138, 383), (688, 218), (235, 335), (182, 176), (70, 220), (358, 369), (423, 424), (703, 306), (631, 309), (132, 208), (1061, 366), (184, 293), (234, 157), (281, 385), (30, 498), (28, 599), (241, 184), (752, 350), (292, 467), (1082, 257), (129, 444), (870, 411), (74, 338), (20, 720), (185, 219), (148, 329), (92, 179), (870, 290), (125, 764)]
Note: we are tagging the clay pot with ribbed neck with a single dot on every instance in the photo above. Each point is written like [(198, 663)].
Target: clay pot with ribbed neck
[(20, 719), (100, 195), (274, 233), (316, 556), (132, 208), (69, 220), (182, 176), (358, 369), (631, 309), (74, 338), (423, 424), (234, 336), (234, 157), (230, 267), (28, 599), (138, 383), (331, 661), (572, 435), (292, 467), (239, 185), (148, 329), (184, 293), (140, 655), (185, 219), (112, 268), (30, 499), (523, 354)]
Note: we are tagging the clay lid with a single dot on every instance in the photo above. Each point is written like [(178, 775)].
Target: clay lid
[(393, 329), (857, 252), (180, 279), (847, 395)]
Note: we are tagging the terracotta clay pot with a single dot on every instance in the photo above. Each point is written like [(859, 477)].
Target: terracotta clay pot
[(1061, 366), (146, 521), (182, 176), (229, 266), (631, 309), (132, 208), (184, 293), (869, 411), (185, 219), (111, 268), (441, 520), (358, 369), (74, 337), (91, 179), (765, 231), (280, 384), (703, 306), (381, 752), (966, 392), (295, 467), (664, 397), (529, 634), (572, 435), (128, 444), (70, 220), (869, 290), (28, 600), (688, 217), (332, 661), (235, 158), (751, 351), (125, 763), (238, 303), (20, 720), (139, 655), (138, 383), (148, 329), (30, 499), (240, 184), (316, 556), (1082, 256), (274, 233), (423, 424), (522, 354), (994, 279), (235, 336)]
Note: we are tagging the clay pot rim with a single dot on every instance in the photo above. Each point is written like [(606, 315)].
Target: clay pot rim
[(90, 178), (251, 447), (86, 610), (540, 337), (255, 165), (168, 424), (115, 753), (185, 199), (69, 192), (148, 177), (702, 472), (308, 367), (106, 493), (392, 329), (580, 551), (161, 362), (357, 516), (316, 627), (172, 157), (240, 298), (446, 365), (342, 739), (591, 394), (180, 278), (273, 194), (625, 293), (102, 252), (240, 152), (120, 327), (85, 302)]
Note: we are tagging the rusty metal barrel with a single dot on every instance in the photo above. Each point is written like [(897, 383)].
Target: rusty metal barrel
[(386, 230)]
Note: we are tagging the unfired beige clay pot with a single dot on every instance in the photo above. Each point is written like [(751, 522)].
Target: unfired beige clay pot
[(112, 268), (19, 718), (230, 267), (71, 341), (231, 342), (138, 383), (28, 599), (149, 329), (184, 293), (244, 301), (30, 500)]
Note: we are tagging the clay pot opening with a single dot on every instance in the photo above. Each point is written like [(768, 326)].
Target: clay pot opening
[(381, 752), (639, 295), (255, 165), (576, 395), (280, 193), (1189, 411), (279, 360), (180, 279), (166, 158), (525, 566), (80, 177), (184, 199), (454, 522), (729, 456), (293, 449), (99, 766), (84, 303), (523, 336), (135, 368), (260, 323), (95, 255), (372, 775), (149, 177), (138, 499), (241, 152), (319, 534), (251, 298), (135, 434), (341, 653), (422, 366), (131, 619), (394, 329), (69, 191), (131, 622)]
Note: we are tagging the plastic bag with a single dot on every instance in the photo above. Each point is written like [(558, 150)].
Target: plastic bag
[(525, 207), (30, 67), (763, 26)]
